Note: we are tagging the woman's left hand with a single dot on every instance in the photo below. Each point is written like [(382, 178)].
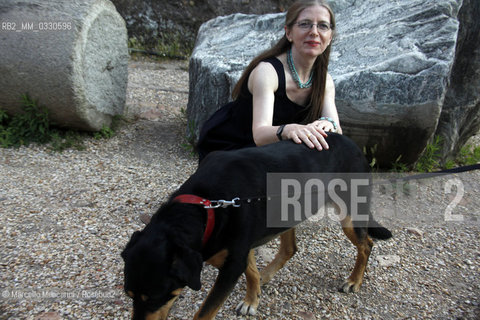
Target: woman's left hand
[(310, 134), (324, 125)]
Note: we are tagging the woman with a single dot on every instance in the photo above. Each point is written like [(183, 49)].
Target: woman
[(285, 93)]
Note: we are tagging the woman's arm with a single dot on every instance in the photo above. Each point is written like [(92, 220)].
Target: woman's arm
[(262, 83), (329, 109)]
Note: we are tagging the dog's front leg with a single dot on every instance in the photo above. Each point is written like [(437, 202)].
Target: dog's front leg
[(227, 278), (249, 305)]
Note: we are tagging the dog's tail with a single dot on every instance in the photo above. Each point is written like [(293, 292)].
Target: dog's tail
[(375, 230)]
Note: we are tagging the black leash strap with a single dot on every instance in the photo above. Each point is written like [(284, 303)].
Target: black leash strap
[(433, 174), (236, 201)]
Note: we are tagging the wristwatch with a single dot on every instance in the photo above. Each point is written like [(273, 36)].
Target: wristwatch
[(280, 131)]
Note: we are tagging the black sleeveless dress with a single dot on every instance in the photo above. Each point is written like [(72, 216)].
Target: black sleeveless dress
[(230, 127)]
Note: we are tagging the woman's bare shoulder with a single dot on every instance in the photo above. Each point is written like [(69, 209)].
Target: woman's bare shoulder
[(263, 76)]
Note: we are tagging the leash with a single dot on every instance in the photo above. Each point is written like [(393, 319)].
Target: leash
[(439, 173), (236, 201), (211, 205)]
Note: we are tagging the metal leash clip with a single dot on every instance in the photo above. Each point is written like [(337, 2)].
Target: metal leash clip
[(214, 204)]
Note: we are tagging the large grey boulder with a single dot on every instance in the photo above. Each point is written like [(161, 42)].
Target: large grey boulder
[(71, 56), (391, 63)]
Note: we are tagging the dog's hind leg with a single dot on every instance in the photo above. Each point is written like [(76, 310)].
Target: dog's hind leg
[(288, 247), (249, 305), (359, 237)]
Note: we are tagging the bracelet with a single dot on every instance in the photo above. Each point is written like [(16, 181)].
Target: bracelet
[(280, 131), (331, 121)]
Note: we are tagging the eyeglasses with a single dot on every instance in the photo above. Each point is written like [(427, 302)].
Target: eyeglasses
[(308, 25)]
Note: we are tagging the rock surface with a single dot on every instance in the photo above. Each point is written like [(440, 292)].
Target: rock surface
[(71, 56), (391, 62), (154, 20), (459, 119)]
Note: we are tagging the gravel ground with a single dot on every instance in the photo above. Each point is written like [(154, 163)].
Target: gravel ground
[(65, 217)]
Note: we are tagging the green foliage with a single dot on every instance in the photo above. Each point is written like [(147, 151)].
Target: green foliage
[(430, 159), (32, 125), (108, 132), (3, 130), (450, 164), (469, 155), (399, 166), (64, 140), (370, 154), (3, 117), (173, 45), (104, 133), (134, 43)]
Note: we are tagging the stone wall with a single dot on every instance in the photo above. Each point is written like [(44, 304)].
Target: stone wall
[(151, 21)]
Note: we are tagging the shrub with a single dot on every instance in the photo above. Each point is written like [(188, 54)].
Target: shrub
[(32, 125)]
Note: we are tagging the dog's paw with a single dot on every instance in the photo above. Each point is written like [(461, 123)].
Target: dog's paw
[(245, 309), (349, 287)]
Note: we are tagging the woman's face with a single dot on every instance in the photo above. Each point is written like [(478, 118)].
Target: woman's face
[(311, 41)]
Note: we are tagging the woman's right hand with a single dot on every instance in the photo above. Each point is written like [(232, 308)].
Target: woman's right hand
[(310, 134)]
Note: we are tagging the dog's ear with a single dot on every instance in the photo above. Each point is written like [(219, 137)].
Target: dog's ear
[(187, 266), (135, 237)]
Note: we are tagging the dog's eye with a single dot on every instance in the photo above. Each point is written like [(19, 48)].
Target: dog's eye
[(144, 298), (130, 294)]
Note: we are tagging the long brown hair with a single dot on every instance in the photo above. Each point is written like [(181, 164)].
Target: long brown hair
[(320, 66)]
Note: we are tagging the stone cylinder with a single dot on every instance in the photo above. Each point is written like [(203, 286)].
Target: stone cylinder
[(70, 56)]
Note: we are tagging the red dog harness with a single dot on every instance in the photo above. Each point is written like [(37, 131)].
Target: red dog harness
[(191, 199)]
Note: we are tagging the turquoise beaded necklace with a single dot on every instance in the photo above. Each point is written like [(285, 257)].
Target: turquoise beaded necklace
[(294, 73)]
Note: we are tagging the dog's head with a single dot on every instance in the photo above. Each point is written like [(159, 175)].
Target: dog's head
[(156, 270)]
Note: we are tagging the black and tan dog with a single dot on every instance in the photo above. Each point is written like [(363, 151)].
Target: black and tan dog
[(168, 254)]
